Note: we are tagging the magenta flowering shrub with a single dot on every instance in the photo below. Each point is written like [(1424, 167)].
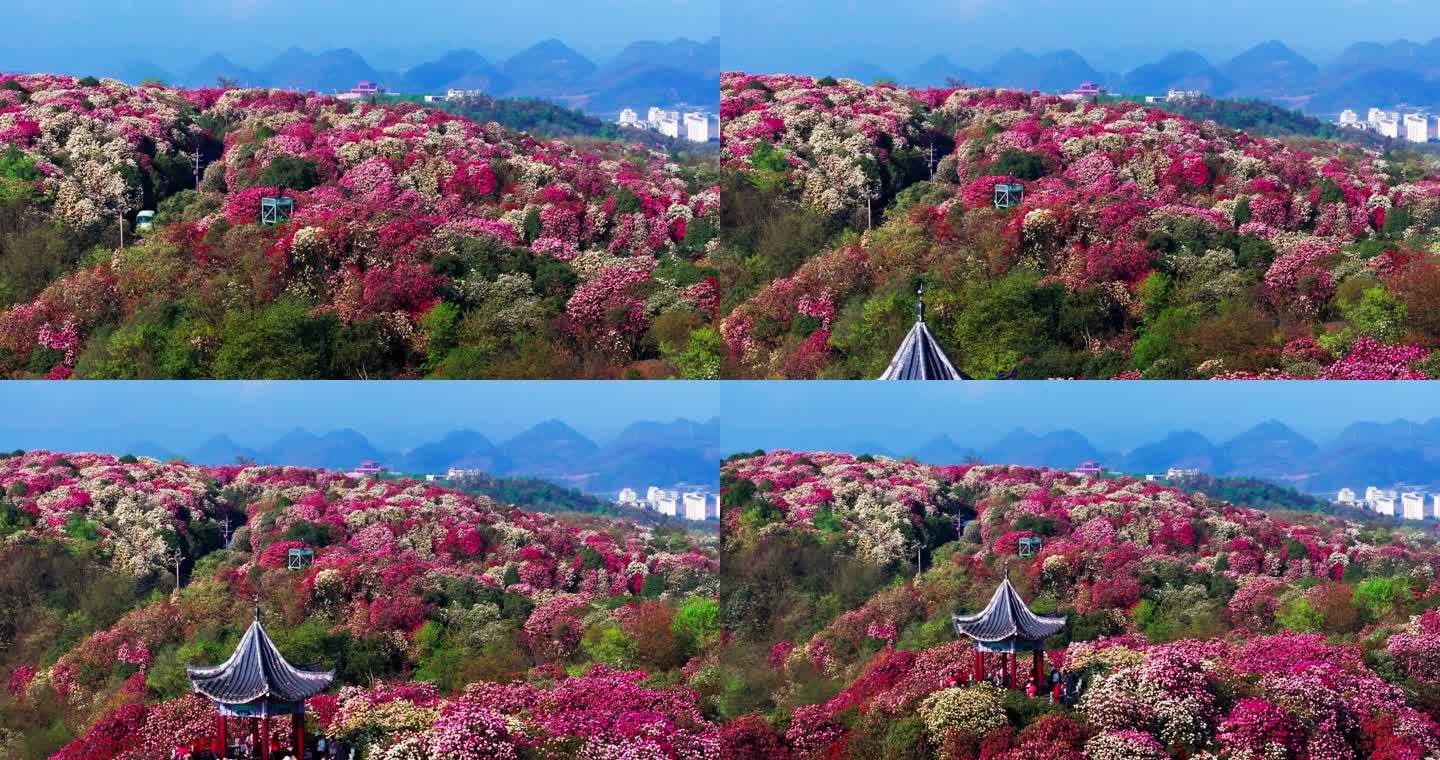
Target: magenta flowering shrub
[(1229, 678), (387, 555), (599, 715), (1114, 193), (1416, 648), (385, 198)]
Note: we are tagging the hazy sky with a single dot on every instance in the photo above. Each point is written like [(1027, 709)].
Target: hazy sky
[(1113, 415), (1113, 34), (73, 34), (392, 414)]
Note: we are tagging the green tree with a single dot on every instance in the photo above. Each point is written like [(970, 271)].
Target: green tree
[(1019, 164), (280, 341), (290, 172), (702, 356), (1377, 314)]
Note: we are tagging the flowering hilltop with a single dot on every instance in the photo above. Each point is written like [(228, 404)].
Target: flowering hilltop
[(1145, 243), (405, 583), (1198, 628), (418, 241)]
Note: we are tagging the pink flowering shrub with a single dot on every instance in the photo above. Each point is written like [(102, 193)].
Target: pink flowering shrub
[(1116, 195), (392, 202)]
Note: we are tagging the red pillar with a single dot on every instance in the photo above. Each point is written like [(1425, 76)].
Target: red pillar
[(979, 666), (298, 724), (255, 737), (265, 738), (220, 744), (1039, 670), (1014, 670)]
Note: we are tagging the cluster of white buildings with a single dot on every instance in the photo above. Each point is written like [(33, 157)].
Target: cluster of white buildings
[(672, 502), (1173, 96), (694, 126), (1411, 505), (1416, 126)]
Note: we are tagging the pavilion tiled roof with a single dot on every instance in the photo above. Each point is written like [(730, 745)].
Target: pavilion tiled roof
[(920, 356), (257, 671), (1006, 617)]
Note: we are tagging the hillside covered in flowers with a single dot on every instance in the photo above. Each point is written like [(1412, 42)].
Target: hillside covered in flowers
[(1198, 628), (420, 243), (458, 627), (1146, 244)]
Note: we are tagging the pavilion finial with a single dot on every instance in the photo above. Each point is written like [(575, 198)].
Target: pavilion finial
[(257, 608), (1007, 569), (920, 304)]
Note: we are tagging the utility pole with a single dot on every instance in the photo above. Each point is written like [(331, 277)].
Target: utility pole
[(175, 557), (122, 228), (195, 166), (930, 156), (871, 192)]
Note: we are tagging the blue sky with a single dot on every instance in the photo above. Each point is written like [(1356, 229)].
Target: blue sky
[(392, 414), (173, 33), (1113, 34), (1113, 415)]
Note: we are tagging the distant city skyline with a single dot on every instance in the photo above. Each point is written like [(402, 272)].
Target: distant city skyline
[(171, 33), (1112, 34), (1113, 415), (394, 415)]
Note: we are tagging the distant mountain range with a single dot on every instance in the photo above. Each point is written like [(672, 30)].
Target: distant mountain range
[(645, 453), (1365, 453), (1365, 74), (645, 73)]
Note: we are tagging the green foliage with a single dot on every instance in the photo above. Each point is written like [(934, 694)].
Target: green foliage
[(1242, 210), (1164, 340), (702, 356), (1019, 164), (1377, 314), (278, 341), (608, 645), (537, 495), (1004, 320), (906, 739), (1300, 616), (1379, 598), (313, 534), (697, 623), (15, 165), (291, 173)]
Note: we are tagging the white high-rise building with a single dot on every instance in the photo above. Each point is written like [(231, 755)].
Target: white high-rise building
[(1389, 125), (697, 127), (628, 496), (654, 494), (694, 505), (1435, 505), (1413, 505), (628, 117), (1385, 504), (655, 115), (1346, 497), (1418, 128), (1349, 118)]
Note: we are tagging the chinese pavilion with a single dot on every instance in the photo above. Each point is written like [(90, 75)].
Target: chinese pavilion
[(1007, 627), (256, 684), (920, 356)]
